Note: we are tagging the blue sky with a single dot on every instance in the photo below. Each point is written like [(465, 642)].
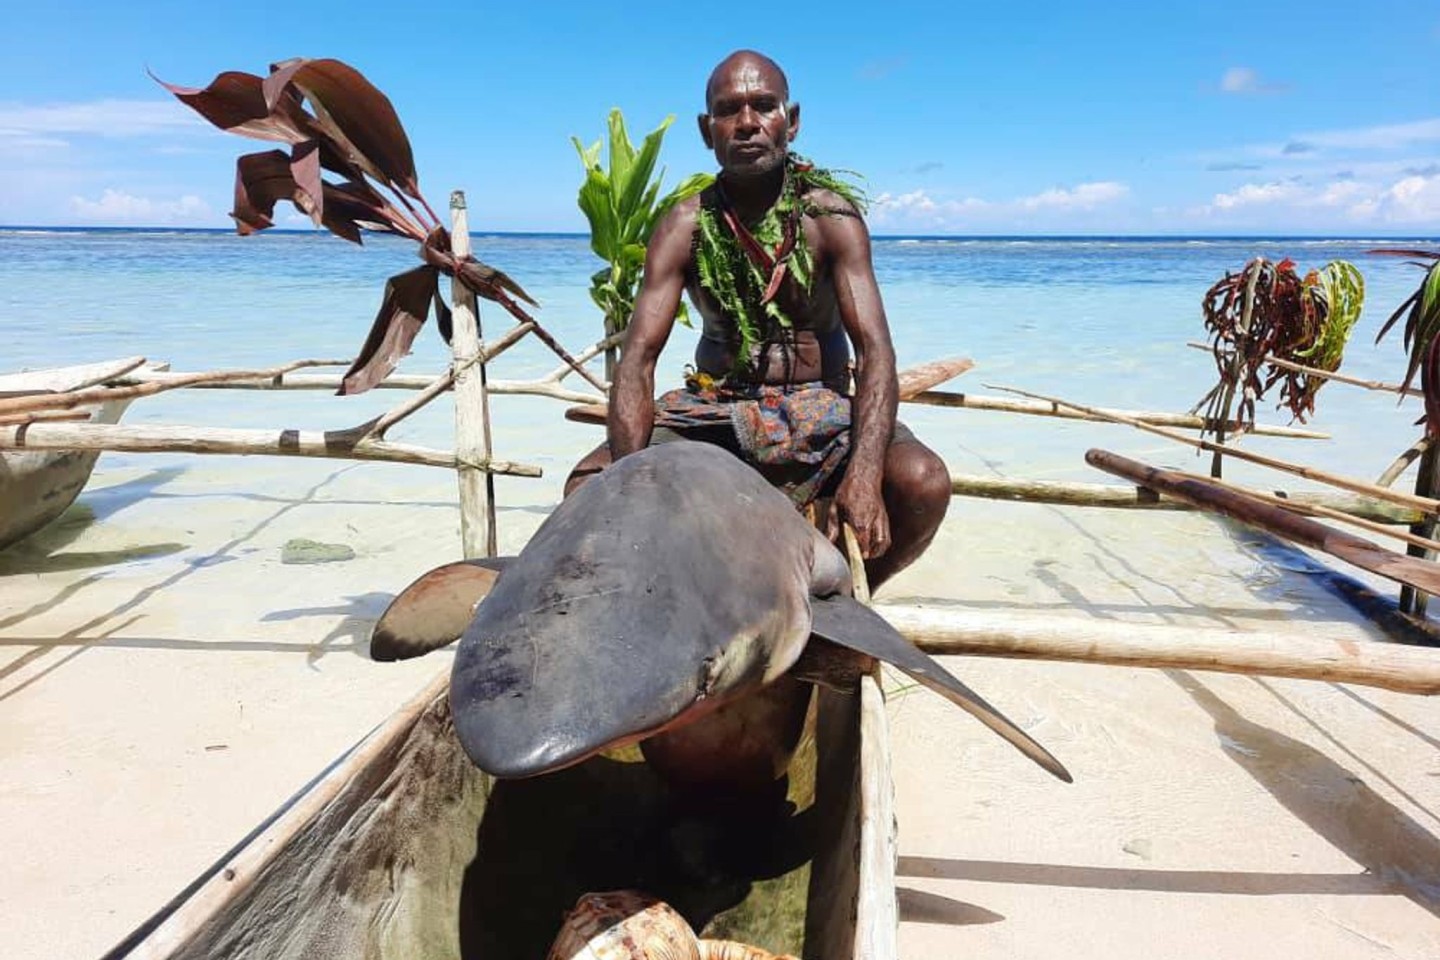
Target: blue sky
[(1004, 118)]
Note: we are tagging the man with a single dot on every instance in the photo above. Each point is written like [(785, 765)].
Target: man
[(776, 259)]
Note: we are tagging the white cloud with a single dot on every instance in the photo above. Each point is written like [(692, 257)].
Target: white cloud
[(1246, 80), (1085, 196), (119, 207), (1240, 80), (1343, 202), (1253, 194), (106, 118), (1411, 200), (1059, 207), (915, 200)]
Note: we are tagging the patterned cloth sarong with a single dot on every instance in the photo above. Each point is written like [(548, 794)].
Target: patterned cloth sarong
[(802, 428)]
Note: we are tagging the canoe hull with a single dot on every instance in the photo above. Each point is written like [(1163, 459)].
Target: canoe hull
[(402, 849), (37, 486)]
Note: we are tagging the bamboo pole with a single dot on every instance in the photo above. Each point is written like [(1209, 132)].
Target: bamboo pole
[(1305, 656), (921, 377), (1330, 375), (1066, 493), (1427, 504), (1210, 496), (590, 353), (472, 404), (334, 445), (75, 377), (941, 398), (542, 387), (1319, 510), (442, 383), (67, 399), (44, 416)]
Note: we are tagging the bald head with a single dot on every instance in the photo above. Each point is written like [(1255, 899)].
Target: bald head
[(748, 66)]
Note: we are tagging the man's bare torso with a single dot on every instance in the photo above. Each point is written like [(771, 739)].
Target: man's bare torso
[(814, 348)]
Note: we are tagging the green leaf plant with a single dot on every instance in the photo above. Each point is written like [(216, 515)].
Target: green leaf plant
[(622, 202), (1422, 332)]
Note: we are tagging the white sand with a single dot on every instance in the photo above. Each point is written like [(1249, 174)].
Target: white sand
[(154, 711)]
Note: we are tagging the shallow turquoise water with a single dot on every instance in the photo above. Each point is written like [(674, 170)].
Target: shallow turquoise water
[(1102, 321)]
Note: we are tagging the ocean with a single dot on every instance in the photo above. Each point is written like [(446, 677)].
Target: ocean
[(1099, 320)]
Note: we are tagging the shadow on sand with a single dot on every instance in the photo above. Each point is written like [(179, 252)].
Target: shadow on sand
[(1385, 841)]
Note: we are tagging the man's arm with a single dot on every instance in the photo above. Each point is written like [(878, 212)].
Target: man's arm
[(632, 395), (872, 412)]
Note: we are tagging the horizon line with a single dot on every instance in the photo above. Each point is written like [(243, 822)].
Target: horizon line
[(572, 234)]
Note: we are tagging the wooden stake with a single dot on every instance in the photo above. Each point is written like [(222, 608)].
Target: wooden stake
[(472, 403), (1330, 375), (330, 444), (1142, 498), (941, 398), (921, 377), (857, 564), (1319, 510), (1306, 656), (1426, 504), (1210, 496), (68, 399), (542, 387)]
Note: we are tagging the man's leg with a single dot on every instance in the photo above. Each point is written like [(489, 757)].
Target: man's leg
[(916, 488), (589, 465)]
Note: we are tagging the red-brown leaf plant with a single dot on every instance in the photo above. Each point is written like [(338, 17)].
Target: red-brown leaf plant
[(335, 121), (1269, 310), (1422, 331)]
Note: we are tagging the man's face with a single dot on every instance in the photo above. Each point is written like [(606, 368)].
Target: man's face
[(749, 126)]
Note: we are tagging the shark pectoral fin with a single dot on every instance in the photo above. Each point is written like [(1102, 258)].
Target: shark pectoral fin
[(851, 624), (434, 610)]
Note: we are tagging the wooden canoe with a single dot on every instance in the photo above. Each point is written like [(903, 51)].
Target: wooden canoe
[(37, 486), (403, 849)]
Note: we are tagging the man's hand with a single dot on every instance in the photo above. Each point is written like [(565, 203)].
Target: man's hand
[(858, 502)]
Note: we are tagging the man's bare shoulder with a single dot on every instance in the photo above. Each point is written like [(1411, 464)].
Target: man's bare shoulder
[(827, 203), (680, 218), (837, 222), (671, 240)]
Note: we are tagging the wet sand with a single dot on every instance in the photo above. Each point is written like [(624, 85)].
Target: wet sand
[(166, 682)]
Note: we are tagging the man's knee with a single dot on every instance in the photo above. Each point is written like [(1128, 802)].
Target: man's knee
[(592, 463), (917, 477)]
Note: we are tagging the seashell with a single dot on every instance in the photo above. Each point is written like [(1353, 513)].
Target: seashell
[(624, 925), (630, 925)]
